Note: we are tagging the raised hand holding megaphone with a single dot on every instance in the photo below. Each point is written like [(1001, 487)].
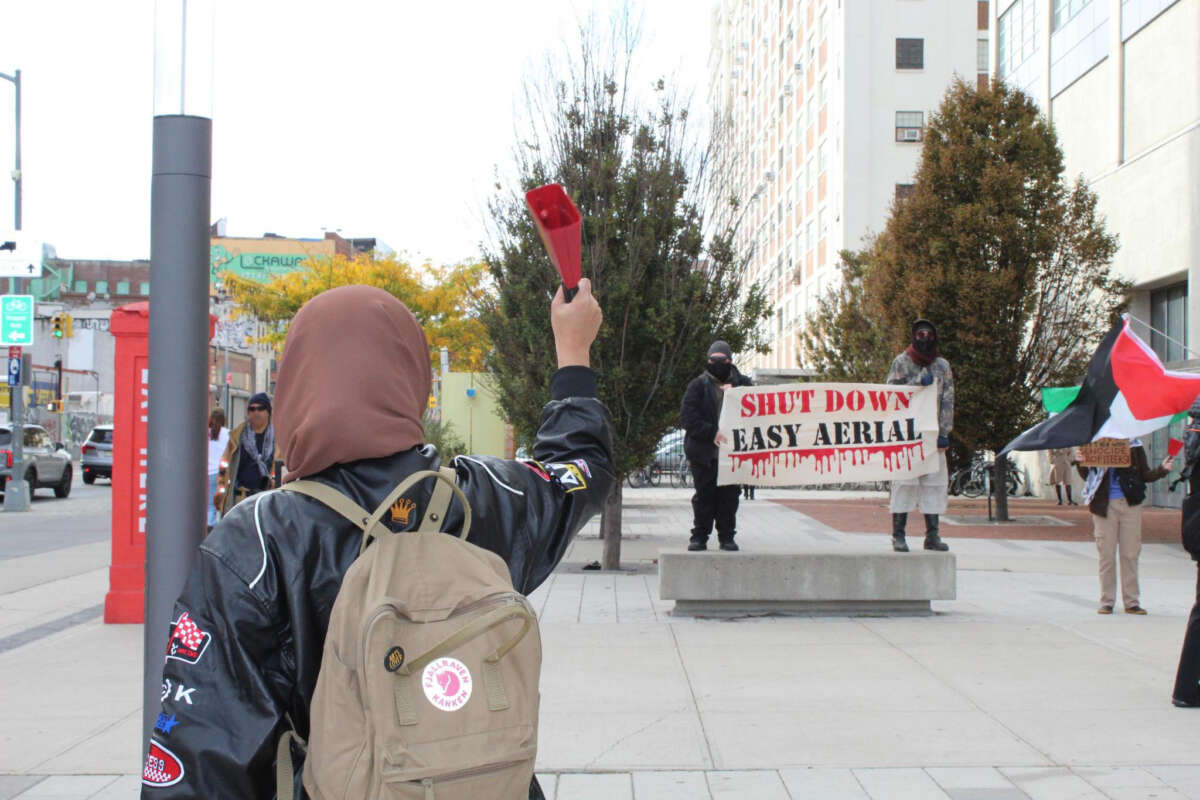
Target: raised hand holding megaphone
[(558, 223)]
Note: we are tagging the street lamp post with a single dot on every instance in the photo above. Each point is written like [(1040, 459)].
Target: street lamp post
[(15, 80), (178, 347)]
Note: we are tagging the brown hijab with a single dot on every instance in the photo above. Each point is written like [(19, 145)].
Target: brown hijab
[(353, 382)]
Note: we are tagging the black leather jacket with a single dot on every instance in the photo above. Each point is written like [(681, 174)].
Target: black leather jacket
[(700, 415), (259, 596)]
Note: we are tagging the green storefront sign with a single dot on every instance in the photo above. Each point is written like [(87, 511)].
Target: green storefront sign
[(255, 266)]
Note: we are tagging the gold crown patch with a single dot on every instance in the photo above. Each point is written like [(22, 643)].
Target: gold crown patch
[(401, 509)]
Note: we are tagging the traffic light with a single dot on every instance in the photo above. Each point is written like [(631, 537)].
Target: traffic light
[(68, 324), (57, 321), (54, 406)]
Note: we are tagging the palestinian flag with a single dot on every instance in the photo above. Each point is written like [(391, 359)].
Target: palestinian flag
[(1127, 393)]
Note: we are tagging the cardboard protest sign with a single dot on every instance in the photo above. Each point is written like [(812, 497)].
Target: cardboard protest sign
[(814, 433), (1105, 453)]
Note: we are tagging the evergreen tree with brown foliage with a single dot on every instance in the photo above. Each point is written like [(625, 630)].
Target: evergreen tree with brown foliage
[(1009, 260)]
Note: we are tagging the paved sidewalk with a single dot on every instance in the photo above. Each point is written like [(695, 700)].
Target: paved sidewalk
[(1017, 689)]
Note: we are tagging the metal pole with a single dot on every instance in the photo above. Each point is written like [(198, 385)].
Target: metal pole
[(17, 167), (15, 490), (179, 211)]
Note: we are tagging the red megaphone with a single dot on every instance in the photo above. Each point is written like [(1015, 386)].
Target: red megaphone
[(557, 221)]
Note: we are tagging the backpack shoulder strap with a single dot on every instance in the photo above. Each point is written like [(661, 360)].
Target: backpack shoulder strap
[(370, 524)]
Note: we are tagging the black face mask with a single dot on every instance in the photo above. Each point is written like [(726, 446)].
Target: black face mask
[(720, 370), (925, 346)]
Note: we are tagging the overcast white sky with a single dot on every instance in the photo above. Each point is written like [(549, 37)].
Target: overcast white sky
[(380, 118)]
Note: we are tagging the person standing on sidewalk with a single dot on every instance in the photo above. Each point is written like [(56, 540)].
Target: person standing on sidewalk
[(700, 414), (920, 365), (248, 457), (246, 644), (1187, 677), (1114, 496), (1060, 473), (218, 440)]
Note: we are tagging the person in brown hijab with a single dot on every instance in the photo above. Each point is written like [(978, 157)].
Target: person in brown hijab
[(246, 641)]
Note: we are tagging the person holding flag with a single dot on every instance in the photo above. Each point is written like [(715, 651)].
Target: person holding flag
[(1127, 393), (1187, 677), (1114, 496)]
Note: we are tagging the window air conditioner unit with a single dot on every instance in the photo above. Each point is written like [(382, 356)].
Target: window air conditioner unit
[(787, 88), (770, 175), (911, 135), (800, 67)]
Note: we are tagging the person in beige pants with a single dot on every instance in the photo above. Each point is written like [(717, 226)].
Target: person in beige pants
[(1114, 496)]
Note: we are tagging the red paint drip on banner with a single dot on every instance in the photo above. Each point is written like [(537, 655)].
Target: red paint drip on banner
[(829, 459)]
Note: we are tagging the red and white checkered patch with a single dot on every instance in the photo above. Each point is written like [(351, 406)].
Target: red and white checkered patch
[(163, 768), (188, 642), (188, 632)]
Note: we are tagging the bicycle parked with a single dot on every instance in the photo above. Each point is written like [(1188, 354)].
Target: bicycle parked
[(975, 479), (646, 476)]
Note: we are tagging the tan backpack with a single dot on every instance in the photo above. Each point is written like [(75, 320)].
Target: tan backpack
[(428, 686)]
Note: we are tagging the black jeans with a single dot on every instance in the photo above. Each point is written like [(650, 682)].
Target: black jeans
[(712, 503), (1187, 679)]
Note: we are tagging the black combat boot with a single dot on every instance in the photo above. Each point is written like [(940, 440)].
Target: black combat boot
[(898, 543), (1058, 491), (932, 540)]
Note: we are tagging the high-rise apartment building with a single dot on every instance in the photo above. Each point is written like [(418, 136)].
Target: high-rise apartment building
[(820, 108), (1120, 80)]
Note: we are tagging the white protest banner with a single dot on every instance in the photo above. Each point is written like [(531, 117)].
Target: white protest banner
[(812, 433)]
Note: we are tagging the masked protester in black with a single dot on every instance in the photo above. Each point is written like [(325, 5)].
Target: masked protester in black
[(1187, 678), (700, 414)]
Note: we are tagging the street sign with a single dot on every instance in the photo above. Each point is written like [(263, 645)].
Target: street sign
[(16, 319), (20, 255), (14, 371)]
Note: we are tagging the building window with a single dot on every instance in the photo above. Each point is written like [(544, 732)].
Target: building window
[(80, 287), (122, 287), (1016, 36), (910, 54), (812, 175), (910, 126), (1168, 320), (808, 236), (822, 161), (144, 288), (101, 287), (822, 227), (981, 55), (1064, 10), (904, 191), (824, 92)]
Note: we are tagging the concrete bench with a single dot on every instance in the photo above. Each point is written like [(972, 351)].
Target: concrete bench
[(715, 583)]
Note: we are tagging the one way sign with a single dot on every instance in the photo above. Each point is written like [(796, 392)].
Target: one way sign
[(20, 255)]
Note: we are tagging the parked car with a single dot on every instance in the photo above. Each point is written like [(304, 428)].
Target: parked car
[(95, 457), (47, 463)]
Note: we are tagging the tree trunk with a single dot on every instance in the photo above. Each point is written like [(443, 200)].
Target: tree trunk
[(610, 530), (1000, 487)]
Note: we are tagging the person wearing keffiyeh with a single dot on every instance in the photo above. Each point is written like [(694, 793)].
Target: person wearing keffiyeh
[(249, 456)]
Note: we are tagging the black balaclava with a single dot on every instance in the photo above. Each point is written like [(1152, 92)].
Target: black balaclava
[(721, 370), (926, 347)]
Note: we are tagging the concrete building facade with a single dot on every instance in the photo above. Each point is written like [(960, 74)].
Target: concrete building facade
[(819, 111), (1120, 80)]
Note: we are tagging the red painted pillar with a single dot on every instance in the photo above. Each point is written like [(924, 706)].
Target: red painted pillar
[(130, 327)]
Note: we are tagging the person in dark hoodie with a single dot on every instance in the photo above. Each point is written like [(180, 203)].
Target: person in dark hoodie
[(920, 365), (1187, 677), (353, 384), (700, 415)]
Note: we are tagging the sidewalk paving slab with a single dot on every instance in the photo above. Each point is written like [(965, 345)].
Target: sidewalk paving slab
[(1017, 689)]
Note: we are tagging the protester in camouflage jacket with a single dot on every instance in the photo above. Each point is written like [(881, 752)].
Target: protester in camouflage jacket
[(920, 365)]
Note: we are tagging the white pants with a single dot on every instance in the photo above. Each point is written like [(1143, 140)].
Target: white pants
[(928, 491)]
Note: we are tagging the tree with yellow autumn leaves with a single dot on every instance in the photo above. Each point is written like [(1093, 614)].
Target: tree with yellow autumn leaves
[(437, 295)]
